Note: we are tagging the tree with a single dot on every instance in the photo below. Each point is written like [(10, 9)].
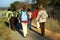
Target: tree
[(17, 5), (45, 2)]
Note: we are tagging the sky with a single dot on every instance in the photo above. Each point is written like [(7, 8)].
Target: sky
[(6, 3)]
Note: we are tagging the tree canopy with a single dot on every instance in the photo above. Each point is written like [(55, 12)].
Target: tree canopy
[(18, 5), (34, 3)]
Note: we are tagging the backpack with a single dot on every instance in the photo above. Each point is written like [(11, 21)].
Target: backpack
[(24, 16)]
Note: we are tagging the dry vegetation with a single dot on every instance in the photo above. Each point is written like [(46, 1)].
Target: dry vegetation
[(53, 25), (5, 32)]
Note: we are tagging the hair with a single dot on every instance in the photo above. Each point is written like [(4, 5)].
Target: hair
[(37, 8), (9, 9), (41, 7), (24, 7), (28, 9)]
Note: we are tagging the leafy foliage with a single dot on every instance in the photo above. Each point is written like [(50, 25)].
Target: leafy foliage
[(17, 5), (44, 2)]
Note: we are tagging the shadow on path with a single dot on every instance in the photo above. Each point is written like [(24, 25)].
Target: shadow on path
[(20, 32), (48, 38), (6, 23)]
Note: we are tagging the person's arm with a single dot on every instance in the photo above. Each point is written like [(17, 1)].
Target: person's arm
[(7, 14), (11, 14), (20, 13), (16, 14), (46, 14), (30, 15), (38, 16)]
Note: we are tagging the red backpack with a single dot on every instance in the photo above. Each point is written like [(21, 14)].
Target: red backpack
[(35, 13)]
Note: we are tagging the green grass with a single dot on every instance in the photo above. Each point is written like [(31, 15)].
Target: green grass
[(53, 25), (5, 31)]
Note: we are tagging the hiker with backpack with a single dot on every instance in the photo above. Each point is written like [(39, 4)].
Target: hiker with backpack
[(41, 18), (35, 16), (14, 20), (24, 19), (9, 15), (30, 18)]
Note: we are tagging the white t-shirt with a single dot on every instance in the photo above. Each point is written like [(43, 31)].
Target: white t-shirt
[(30, 14)]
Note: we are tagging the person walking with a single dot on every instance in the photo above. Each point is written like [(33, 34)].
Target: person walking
[(14, 20), (30, 18), (41, 18), (35, 16), (24, 20), (9, 15)]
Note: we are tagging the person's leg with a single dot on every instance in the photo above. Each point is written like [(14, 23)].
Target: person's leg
[(42, 26), (12, 27), (9, 24), (19, 26), (24, 29), (38, 25), (30, 24)]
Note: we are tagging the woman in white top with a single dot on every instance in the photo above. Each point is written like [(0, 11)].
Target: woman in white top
[(30, 18), (41, 18)]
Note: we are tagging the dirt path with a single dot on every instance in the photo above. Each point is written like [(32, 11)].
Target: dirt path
[(33, 35), (48, 34), (30, 36)]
